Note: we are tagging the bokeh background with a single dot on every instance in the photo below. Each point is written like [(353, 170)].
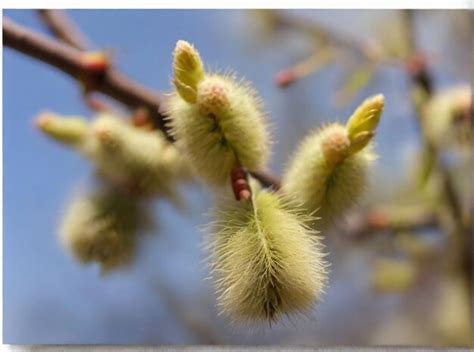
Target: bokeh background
[(163, 298)]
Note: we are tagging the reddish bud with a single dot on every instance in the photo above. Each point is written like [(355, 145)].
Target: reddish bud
[(240, 184), (285, 77), (42, 120), (96, 61), (376, 219)]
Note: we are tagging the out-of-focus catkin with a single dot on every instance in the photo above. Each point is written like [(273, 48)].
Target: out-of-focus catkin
[(447, 117), (329, 171), (69, 130), (141, 160), (265, 260), (102, 227), (138, 157), (219, 123)]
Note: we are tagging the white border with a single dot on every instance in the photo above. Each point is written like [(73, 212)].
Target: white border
[(248, 4)]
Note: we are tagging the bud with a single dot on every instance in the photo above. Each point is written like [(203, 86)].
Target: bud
[(223, 129), (69, 130), (285, 77), (267, 263), (95, 61), (102, 227), (188, 70), (212, 97), (240, 184), (334, 144), (94, 66), (361, 125)]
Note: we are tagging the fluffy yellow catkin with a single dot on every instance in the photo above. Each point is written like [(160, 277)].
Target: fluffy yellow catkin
[(329, 171), (217, 121), (265, 260), (102, 227)]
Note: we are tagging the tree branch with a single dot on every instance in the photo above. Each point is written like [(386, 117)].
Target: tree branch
[(364, 225), (69, 60), (111, 83), (267, 179), (284, 20)]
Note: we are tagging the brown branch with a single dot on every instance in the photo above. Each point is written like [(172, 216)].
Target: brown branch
[(266, 179), (112, 83), (64, 29), (69, 60)]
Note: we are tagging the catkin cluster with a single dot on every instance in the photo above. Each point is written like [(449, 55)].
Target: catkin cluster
[(266, 260), (134, 165), (141, 160), (265, 255)]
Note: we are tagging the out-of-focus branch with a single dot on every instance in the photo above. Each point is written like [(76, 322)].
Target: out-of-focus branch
[(110, 82), (64, 29), (363, 226), (328, 40), (285, 20), (422, 80)]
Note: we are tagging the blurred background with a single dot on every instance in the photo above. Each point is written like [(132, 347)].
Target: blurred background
[(393, 278)]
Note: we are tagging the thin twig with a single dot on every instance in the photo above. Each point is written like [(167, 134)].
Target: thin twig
[(266, 179), (285, 20), (370, 52), (64, 29), (316, 61)]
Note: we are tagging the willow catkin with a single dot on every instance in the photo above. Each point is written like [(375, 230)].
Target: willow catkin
[(102, 227), (265, 260), (330, 189), (329, 171), (218, 122)]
